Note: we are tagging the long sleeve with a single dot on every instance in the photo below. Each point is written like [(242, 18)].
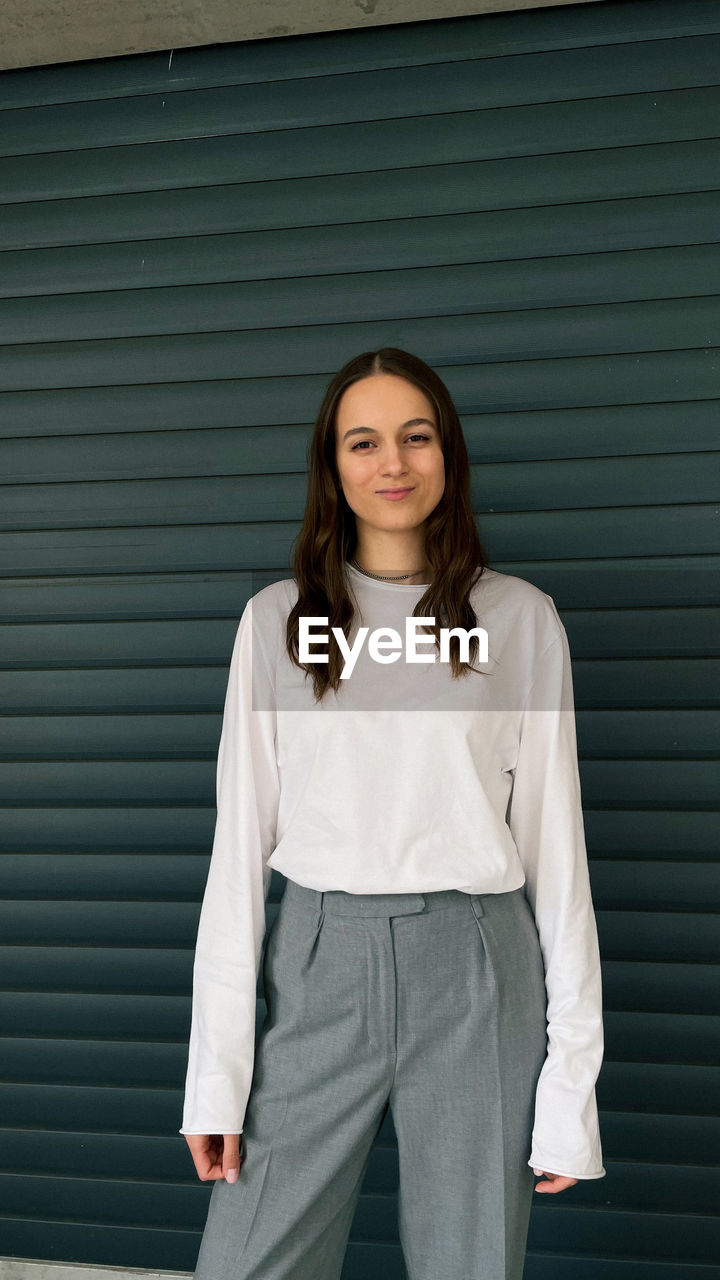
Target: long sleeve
[(232, 918), (547, 825)]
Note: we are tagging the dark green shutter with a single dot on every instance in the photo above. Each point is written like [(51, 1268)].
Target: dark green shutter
[(193, 244)]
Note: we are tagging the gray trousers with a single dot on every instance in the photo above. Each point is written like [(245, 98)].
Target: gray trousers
[(432, 1004)]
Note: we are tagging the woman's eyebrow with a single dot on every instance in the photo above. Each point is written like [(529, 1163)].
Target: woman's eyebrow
[(412, 422)]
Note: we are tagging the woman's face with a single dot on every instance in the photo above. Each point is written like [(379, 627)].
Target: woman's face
[(387, 440)]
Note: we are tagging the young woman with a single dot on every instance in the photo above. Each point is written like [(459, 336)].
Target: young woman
[(435, 950)]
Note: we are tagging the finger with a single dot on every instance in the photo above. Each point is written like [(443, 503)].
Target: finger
[(231, 1157), (556, 1182), (204, 1168), (208, 1161)]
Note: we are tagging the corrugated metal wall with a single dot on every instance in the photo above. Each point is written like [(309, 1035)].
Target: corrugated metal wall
[(192, 246)]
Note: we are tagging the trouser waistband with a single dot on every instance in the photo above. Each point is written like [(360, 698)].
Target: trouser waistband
[(339, 902)]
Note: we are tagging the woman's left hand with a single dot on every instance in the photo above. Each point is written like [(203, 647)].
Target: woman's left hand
[(556, 1182)]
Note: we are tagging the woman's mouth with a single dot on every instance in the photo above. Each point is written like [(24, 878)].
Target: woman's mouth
[(394, 494)]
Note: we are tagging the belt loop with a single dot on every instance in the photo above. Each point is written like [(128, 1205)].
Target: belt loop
[(476, 903), (321, 912)]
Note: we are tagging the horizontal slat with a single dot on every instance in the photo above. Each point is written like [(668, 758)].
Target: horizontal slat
[(87, 1108), (676, 784), (44, 970), (662, 1037), (121, 970), (273, 449), (161, 1248), (115, 1156), (138, 1110), (557, 180), (168, 1248), (131, 1202), (109, 1155), (689, 784), (646, 735), (643, 884), (403, 243), (625, 883), (529, 339), (603, 634), (660, 988), (617, 883), (137, 690), (453, 39), (126, 1064), (670, 936), (167, 877), (557, 75), (690, 1139), (617, 683), (186, 829), (669, 1236), (113, 550), (669, 581), (112, 737), (100, 1156), (629, 1085), (98, 1016), (176, 595), (110, 828), (501, 138), (658, 580), (688, 1044), (625, 934), (620, 531), (650, 633), (648, 833), (109, 924), (531, 486), (87, 1191), (547, 1265), (639, 1035), (161, 641)]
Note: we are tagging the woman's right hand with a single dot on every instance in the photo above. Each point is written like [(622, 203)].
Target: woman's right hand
[(216, 1155)]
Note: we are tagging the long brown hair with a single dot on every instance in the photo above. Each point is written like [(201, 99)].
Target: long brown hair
[(328, 535)]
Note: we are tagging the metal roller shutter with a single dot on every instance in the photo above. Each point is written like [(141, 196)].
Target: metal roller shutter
[(192, 245)]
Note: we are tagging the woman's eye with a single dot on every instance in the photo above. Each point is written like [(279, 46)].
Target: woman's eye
[(416, 436)]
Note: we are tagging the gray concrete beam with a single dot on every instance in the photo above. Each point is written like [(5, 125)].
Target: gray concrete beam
[(40, 32)]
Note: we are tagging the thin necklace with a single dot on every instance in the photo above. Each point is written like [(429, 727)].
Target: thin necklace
[(383, 577)]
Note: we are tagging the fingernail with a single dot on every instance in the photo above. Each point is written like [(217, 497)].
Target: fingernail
[(232, 1175)]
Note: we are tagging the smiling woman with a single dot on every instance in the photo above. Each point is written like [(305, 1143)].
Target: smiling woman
[(387, 459), (435, 953)]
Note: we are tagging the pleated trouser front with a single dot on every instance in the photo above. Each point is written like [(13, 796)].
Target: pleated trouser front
[(432, 1004)]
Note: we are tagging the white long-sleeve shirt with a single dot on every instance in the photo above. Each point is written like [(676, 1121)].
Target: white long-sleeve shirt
[(404, 781)]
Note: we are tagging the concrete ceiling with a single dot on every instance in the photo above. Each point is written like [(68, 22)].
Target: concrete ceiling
[(41, 32)]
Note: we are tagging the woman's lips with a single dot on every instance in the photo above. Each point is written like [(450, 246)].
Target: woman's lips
[(394, 494)]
